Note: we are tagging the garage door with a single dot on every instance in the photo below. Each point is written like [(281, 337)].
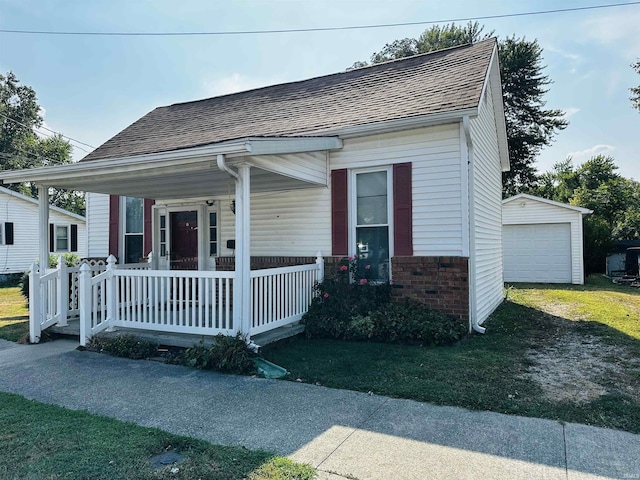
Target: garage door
[(537, 253)]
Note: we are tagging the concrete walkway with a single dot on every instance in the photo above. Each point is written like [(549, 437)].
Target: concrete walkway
[(343, 434)]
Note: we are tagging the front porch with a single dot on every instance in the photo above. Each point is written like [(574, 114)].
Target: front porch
[(176, 308)]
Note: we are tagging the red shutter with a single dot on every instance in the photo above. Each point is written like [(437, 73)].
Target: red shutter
[(148, 233), (402, 210), (114, 224), (339, 213)]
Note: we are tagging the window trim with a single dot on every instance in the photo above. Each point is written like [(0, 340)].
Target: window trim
[(67, 226), (353, 208), (3, 240), (122, 227)]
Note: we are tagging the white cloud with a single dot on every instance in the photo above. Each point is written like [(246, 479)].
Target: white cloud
[(618, 29), (233, 83), (41, 132), (563, 53), (570, 112), (583, 155)]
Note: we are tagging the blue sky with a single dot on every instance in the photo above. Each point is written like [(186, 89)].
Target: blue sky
[(92, 87)]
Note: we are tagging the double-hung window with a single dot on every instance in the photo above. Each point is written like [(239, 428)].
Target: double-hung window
[(62, 238), (372, 224), (133, 229)]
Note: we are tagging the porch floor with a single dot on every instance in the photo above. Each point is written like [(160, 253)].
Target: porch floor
[(182, 339)]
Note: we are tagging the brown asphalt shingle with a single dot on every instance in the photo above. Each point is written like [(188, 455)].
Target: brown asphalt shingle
[(436, 82)]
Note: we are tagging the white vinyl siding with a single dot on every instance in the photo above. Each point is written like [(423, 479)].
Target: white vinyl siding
[(527, 212), (487, 228), (23, 214), (98, 224), (434, 153)]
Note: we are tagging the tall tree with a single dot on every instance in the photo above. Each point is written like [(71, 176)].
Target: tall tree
[(635, 91), (21, 147), (530, 126)]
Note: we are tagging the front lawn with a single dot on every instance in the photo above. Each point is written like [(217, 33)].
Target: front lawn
[(14, 314), (44, 441), (569, 353)]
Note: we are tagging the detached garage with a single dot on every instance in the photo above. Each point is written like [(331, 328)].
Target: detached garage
[(542, 240)]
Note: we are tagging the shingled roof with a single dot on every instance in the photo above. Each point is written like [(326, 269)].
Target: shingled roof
[(437, 82)]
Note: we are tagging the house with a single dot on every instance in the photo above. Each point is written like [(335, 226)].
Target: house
[(241, 201), (542, 240), (19, 238)]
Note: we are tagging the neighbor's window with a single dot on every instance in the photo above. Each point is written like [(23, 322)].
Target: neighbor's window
[(213, 234), (134, 228), (62, 238), (372, 224)]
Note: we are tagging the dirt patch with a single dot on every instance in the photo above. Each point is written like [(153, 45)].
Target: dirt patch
[(578, 368)]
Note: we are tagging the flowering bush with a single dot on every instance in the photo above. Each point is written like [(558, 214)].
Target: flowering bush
[(352, 307)]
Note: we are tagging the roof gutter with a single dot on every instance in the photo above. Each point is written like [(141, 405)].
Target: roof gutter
[(475, 326)]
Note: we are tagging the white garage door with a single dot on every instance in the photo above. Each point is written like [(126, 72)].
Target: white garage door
[(537, 253)]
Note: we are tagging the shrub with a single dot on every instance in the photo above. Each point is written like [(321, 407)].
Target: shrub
[(226, 354), (127, 346)]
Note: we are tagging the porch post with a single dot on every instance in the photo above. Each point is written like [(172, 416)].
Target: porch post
[(242, 280), (43, 217)]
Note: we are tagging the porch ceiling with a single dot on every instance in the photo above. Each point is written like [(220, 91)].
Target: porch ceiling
[(280, 164)]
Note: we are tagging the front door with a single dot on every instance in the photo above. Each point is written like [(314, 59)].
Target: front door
[(184, 240)]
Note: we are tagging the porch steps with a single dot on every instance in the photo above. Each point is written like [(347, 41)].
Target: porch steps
[(182, 339)]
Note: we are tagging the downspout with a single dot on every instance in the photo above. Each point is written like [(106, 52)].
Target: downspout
[(475, 326), (223, 166)]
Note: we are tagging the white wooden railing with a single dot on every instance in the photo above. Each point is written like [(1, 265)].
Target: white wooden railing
[(281, 296), (175, 301)]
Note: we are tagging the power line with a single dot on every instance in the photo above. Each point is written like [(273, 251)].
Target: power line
[(318, 29), (52, 131)]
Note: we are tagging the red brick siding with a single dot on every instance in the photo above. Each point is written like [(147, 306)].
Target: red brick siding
[(440, 282)]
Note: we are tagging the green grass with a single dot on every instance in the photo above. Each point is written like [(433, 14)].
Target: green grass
[(484, 372), (42, 441), (14, 314)]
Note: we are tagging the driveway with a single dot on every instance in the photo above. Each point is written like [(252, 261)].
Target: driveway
[(343, 434)]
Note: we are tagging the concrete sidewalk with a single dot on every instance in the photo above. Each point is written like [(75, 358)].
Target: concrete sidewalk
[(344, 434)]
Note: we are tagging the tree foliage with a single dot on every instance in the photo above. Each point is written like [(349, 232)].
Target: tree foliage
[(635, 91), (21, 147), (596, 185), (530, 126)]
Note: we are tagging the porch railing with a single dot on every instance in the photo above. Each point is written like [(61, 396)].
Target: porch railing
[(281, 296), (175, 301)]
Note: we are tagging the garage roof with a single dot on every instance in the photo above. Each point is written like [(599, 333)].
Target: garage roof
[(526, 196)]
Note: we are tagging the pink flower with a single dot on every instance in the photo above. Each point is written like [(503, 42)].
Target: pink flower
[(390, 282), (326, 295), (367, 267), (355, 256), (343, 268), (363, 281), (350, 258)]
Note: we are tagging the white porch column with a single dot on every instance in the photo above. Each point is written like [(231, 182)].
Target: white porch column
[(242, 280), (43, 217)]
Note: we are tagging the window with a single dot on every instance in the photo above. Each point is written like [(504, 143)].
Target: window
[(213, 234), (163, 235), (62, 238), (6, 233), (372, 214), (133, 229)]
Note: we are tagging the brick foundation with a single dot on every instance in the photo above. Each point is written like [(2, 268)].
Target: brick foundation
[(227, 264), (440, 282)]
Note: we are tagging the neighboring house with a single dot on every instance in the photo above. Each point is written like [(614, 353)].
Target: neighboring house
[(19, 237), (542, 240), (399, 163)]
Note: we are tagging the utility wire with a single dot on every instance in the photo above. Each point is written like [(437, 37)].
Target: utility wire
[(52, 131), (318, 29)]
